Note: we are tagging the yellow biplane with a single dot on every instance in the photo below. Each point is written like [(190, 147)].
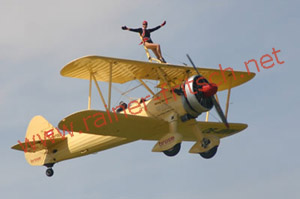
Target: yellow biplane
[(167, 117)]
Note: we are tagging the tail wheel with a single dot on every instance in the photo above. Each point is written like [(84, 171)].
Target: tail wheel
[(173, 151), (49, 172), (209, 154)]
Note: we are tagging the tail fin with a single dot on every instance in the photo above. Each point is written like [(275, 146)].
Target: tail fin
[(40, 137)]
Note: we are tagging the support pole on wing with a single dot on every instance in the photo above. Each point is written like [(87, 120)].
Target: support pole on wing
[(99, 91), (90, 92), (207, 116), (109, 86), (148, 54)]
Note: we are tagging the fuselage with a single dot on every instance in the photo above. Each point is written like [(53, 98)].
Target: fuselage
[(81, 144)]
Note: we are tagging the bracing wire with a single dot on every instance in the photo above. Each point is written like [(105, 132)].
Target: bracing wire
[(177, 60)]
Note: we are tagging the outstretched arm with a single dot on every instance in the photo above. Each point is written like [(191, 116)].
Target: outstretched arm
[(157, 27), (131, 29)]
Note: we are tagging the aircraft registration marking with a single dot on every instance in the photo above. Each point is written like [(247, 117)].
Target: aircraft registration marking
[(35, 159)]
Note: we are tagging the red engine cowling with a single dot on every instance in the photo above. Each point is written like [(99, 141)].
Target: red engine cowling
[(197, 92)]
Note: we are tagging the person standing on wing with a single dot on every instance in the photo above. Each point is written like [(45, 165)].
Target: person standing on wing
[(145, 33)]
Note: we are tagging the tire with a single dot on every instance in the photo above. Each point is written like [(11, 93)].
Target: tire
[(49, 172), (173, 151), (209, 154)]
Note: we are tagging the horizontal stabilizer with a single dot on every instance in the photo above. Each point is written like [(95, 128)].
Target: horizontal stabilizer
[(32, 146)]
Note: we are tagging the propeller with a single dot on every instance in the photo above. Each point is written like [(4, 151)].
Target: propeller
[(216, 104)]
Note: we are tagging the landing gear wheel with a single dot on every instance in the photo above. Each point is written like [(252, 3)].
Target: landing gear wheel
[(173, 151), (49, 172), (209, 154)]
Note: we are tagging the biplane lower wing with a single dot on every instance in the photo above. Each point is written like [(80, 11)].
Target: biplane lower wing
[(113, 124), (139, 127)]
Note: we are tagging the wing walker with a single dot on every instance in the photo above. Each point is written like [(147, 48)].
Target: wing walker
[(167, 117)]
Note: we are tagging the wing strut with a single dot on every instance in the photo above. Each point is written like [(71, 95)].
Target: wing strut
[(207, 115), (90, 92), (109, 86), (99, 91), (145, 85)]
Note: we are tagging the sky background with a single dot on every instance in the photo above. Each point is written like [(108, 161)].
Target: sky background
[(38, 38)]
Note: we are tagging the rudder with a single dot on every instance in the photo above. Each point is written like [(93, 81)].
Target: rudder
[(40, 137)]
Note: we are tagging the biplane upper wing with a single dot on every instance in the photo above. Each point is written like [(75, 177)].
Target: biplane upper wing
[(124, 70), (139, 127)]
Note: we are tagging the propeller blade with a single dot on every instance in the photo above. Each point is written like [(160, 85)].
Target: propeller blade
[(219, 111), (193, 64), (216, 104)]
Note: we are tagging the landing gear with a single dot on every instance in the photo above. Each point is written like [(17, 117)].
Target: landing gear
[(173, 151), (49, 172), (209, 154)]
